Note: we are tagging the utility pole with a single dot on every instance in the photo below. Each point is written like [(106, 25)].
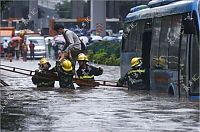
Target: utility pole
[(98, 16)]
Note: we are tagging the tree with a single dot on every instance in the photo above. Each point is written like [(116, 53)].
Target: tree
[(64, 9)]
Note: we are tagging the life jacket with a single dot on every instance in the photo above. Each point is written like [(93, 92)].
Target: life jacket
[(86, 73)]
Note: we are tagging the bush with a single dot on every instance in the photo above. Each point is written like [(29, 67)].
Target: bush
[(104, 53)]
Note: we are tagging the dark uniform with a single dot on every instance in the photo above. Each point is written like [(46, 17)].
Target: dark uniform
[(41, 78), (135, 77), (65, 77), (89, 72)]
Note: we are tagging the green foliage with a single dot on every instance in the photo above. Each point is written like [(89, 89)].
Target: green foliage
[(64, 9), (104, 52)]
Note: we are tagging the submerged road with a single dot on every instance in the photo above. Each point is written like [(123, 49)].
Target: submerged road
[(103, 109)]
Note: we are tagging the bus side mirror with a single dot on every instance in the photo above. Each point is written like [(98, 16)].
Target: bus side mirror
[(189, 26)]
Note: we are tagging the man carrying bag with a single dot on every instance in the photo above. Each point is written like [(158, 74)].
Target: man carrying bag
[(73, 45)]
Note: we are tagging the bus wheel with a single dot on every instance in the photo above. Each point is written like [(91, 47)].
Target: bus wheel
[(170, 91)]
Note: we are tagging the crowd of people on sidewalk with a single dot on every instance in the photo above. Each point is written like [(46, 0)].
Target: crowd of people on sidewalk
[(16, 49)]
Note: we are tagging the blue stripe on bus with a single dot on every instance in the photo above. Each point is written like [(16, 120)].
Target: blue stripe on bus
[(174, 8), (195, 97)]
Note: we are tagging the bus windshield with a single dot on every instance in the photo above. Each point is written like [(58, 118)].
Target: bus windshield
[(199, 9)]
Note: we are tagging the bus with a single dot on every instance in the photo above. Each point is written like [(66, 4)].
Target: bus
[(165, 33)]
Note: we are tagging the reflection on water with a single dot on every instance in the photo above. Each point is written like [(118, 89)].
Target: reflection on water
[(26, 108)]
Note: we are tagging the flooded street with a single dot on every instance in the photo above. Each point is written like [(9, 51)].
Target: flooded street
[(102, 109)]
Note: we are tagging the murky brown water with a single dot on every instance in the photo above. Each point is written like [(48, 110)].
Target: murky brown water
[(103, 109)]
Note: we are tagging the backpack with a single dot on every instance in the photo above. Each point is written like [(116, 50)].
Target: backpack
[(83, 47), (75, 51)]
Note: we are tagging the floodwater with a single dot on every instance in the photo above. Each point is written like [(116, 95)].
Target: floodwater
[(102, 109)]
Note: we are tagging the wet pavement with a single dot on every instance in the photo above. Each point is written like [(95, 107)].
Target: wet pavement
[(101, 109)]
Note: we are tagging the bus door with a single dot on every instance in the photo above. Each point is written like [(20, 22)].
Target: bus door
[(189, 58), (146, 46)]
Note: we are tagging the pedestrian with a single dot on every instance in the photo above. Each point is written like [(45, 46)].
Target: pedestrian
[(32, 52), (73, 43), (10, 51), (49, 47), (64, 68), (44, 77), (134, 78), (24, 51), (5, 48), (16, 46), (86, 71)]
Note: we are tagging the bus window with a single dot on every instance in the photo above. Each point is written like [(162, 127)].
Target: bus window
[(199, 9), (174, 42), (125, 37), (140, 30), (132, 37), (155, 43), (183, 59), (165, 36)]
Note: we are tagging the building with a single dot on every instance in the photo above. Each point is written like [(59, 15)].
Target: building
[(41, 11)]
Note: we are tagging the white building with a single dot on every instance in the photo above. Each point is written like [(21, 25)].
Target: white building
[(49, 3)]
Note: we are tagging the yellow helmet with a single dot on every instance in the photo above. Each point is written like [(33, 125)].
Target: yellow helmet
[(136, 61), (86, 58), (43, 61), (22, 33), (67, 65), (82, 57), (161, 61)]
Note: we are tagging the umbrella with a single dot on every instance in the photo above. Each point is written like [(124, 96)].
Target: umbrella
[(58, 39), (84, 39), (96, 38), (16, 38)]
